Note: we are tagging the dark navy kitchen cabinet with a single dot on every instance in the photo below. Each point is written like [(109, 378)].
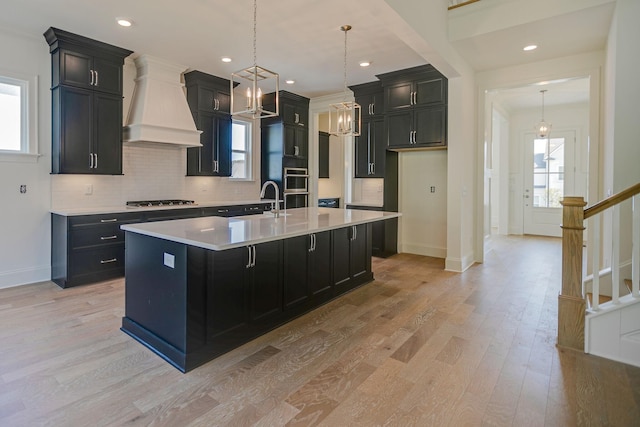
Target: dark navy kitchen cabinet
[(86, 94), (209, 97), (415, 102)]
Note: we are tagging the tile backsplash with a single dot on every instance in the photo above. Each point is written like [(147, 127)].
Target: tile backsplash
[(368, 191), (150, 171)]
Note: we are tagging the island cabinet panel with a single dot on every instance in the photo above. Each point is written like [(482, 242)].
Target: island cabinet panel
[(307, 269), (228, 317), (264, 278), (190, 304), (351, 257)]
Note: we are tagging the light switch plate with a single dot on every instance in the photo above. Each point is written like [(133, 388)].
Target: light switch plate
[(169, 260)]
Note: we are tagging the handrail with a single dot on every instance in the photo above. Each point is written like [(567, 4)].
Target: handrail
[(462, 3), (571, 301), (612, 200)]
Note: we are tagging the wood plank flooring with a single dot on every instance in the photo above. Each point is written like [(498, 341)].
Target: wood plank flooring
[(419, 346)]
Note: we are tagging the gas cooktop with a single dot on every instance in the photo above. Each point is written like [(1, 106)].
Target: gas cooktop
[(151, 203)]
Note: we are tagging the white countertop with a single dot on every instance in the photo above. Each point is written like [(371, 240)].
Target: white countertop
[(217, 233), (121, 209)]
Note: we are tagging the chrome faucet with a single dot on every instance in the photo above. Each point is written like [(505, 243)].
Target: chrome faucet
[(276, 207)]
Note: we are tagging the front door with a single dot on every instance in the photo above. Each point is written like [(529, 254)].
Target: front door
[(550, 174)]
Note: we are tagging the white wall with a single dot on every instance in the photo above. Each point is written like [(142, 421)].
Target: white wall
[(423, 26), (24, 218), (621, 126), (423, 228)]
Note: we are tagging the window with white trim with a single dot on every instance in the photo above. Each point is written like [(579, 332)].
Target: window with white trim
[(241, 150), (18, 132)]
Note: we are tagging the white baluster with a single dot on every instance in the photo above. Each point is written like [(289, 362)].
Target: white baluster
[(595, 290), (635, 257), (615, 256)]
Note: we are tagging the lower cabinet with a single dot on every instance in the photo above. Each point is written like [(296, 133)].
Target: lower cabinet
[(351, 256), (209, 302), (307, 269), (244, 292), (90, 248)]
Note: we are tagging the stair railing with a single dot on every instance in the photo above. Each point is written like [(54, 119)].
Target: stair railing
[(571, 301), (453, 4)]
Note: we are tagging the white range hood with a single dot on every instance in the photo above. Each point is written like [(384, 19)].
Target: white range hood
[(159, 112)]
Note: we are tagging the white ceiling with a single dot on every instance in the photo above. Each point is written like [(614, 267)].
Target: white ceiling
[(299, 39)]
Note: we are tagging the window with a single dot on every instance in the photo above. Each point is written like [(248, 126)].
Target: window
[(548, 172), (18, 136), (241, 150)]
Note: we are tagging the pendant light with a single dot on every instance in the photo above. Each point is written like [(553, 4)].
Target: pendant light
[(344, 117), (249, 85), (543, 128)]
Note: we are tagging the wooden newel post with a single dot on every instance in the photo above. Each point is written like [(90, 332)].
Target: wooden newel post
[(571, 302)]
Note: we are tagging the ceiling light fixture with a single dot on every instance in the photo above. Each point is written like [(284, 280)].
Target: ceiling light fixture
[(254, 82), (543, 128), (225, 59), (365, 63), (124, 22), (344, 117), (290, 82), (530, 47)]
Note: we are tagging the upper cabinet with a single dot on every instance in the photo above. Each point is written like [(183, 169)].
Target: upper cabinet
[(415, 108), (323, 154), (293, 123), (209, 99), (86, 93), (370, 146), (370, 97)]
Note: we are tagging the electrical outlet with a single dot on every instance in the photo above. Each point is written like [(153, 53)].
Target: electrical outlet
[(433, 188), (23, 188)]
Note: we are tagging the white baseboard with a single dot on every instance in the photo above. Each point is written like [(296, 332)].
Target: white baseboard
[(9, 279), (459, 265), (419, 249)]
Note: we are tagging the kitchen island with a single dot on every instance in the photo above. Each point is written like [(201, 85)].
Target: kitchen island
[(196, 288)]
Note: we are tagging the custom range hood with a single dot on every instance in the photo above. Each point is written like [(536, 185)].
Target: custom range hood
[(159, 112)]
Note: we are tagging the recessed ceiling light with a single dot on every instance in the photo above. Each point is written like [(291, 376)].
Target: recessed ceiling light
[(530, 47), (225, 59), (124, 22), (290, 82), (365, 63)]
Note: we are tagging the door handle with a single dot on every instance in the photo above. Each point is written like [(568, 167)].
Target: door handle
[(253, 250), (90, 160), (249, 261), (92, 78), (95, 163)]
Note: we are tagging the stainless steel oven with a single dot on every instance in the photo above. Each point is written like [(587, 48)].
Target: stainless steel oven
[(296, 187)]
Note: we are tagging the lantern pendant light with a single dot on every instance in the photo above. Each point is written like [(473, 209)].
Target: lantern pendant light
[(543, 128), (344, 117), (249, 85)]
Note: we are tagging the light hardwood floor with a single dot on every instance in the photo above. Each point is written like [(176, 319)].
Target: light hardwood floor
[(418, 346)]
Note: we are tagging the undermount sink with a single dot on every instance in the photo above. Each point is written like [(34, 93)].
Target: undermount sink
[(273, 215)]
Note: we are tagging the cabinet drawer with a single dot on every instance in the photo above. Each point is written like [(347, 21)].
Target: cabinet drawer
[(96, 236), (97, 261), (104, 219)]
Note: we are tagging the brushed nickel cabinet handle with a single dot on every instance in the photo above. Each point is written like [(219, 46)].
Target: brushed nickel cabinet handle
[(109, 220), (108, 237), (108, 261)]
